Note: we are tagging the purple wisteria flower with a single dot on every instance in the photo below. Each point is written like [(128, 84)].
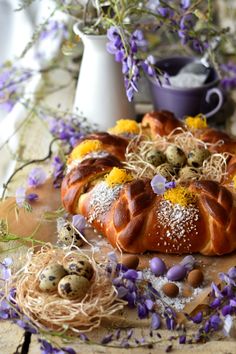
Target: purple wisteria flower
[(185, 4), (22, 197), (156, 321), (79, 222), (47, 348), (126, 54), (36, 177), (148, 65), (67, 130), (53, 28), (159, 184), (5, 271), (12, 80), (228, 81), (58, 171)]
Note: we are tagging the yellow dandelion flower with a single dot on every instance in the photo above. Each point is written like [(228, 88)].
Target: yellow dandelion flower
[(198, 122), (86, 147), (118, 176), (125, 126), (180, 195)]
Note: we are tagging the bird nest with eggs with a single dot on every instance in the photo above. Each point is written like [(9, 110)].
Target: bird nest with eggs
[(65, 290)]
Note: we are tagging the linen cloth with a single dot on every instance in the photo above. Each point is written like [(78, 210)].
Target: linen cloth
[(16, 30)]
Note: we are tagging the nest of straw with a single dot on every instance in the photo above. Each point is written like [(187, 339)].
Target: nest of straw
[(49, 310), (214, 168)]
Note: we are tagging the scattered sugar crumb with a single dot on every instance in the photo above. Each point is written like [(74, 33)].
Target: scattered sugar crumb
[(94, 154), (102, 198)]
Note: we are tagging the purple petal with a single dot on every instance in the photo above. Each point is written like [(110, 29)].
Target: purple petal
[(182, 339), (84, 337), (156, 321), (122, 292), (232, 272), (188, 262), (170, 185), (130, 93), (142, 311), (20, 196), (232, 302), (131, 274), (4, 315), (107, 339), (197, 318), (216, 291), (215, 322), (112, 257), (111, 48), (68, 350), (79, 222), (150, 304), (215, 303), (130, 333), (7, 261), (5, 273), (228, 324), (158, 184), (226, 310), (32, 197), (36, 177), (185, 4)]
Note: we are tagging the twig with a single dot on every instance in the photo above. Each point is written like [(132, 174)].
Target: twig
[(5, 185)]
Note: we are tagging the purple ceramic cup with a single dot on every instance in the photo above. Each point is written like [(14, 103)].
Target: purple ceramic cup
[(206, 99)]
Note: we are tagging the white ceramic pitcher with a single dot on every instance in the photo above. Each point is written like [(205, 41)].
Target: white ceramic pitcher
[(100, 94)]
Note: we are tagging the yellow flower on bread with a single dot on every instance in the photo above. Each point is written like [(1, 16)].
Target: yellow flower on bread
[(118, 176), (198, 122), (123, 126), (180, 195), (84, 148)]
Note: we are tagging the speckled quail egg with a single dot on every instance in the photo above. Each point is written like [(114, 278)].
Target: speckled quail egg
[(155, 157), (73, 287), (50, 277), (166, 170), (188, 173), (67, 235), (197, 156), (80, 266), (175, 156)]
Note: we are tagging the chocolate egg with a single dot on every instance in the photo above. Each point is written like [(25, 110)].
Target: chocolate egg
[(170, 289), (177, 272), (50, 277), (166, 170), (155, 157), (73, 287), (157, 266), (130, 261), (195, 278), (175, 156), (79, 266), (197, 156)]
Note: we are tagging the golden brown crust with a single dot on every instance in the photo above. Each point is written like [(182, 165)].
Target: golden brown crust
[(137, 220), (78, 179), (160, 123), (113, 144)]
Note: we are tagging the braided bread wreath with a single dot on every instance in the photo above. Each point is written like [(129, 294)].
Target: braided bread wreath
[(109, 182)]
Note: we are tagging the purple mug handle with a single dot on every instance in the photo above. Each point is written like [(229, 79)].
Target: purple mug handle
[(209, 93)]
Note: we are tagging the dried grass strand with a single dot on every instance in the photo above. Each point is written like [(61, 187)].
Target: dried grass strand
[(213, 168)]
